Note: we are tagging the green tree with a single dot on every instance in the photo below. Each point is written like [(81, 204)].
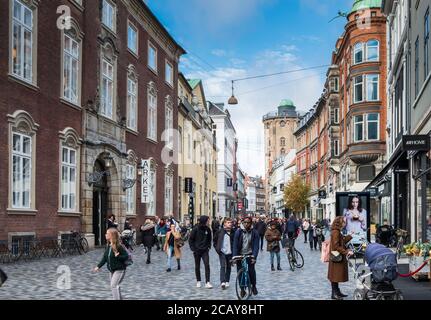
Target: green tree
[(296, 195)]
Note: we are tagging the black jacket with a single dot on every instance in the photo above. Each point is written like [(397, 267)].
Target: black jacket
[(200, 239), (114, 263), (148, 232), (261, 227), (218, 239)]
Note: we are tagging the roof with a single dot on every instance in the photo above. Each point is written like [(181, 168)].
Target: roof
[(366, 4), (286, 103), (194, 82)]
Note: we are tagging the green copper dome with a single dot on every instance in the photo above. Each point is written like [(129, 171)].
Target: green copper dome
[(287, 103), (366, 4)]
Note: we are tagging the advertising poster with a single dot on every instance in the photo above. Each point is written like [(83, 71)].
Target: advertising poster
[(355, 208)]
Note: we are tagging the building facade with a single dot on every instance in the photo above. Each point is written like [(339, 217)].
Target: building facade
[(116, 70), (226, 159), (251, 196)]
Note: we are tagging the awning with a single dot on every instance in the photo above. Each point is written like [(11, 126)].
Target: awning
[(380, 178)]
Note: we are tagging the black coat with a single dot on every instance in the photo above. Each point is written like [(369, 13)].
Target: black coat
[(200, 239), (148, 238), (218, 239), (261, 227)]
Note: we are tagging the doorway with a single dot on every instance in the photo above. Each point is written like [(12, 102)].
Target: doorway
[(100, 206)]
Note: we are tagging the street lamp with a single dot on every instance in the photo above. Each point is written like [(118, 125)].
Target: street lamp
[(129, 183), (233, 100), (96, 177)]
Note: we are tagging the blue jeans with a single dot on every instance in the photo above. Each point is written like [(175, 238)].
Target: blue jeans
[(272, 257), (170, 254)]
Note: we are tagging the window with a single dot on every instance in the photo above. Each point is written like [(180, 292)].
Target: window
[(417, 67), (21, 171), (283, 142), (358, 53), (169, 121), (132, 103), (336, 115), (22, 41), (107, 98), (336, 148), (283, 151), (169, 73), (132, 38), (372, 87), (366, 173), (359, 128), (180, 140), (373, 126), (153, 192), (282, 124), (372, 50), (152, 112), (169, 193), (359, 89), (109, 15), (334, 84), (71, 73), (130, 193), (152, 57), (426, 42), (68, 179)]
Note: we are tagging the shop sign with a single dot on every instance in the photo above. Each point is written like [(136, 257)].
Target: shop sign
[(416, 143), (146, 196)]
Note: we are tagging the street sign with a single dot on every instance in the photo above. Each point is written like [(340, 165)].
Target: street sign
[(416, 143), (191, 209), (188, 185), (146, 182)]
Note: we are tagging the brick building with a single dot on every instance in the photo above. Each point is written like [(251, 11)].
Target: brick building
[(96, 93)]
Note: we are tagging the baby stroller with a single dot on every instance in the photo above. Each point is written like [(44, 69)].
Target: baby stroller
[(374, 279), (127, 238)]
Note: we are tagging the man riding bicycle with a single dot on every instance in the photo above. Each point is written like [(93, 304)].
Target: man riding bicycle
[(246, 242), (291, 229)]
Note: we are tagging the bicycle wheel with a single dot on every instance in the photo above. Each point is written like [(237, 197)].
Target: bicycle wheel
[(84, 245), (299, 259), (291, 260), (243, 283)]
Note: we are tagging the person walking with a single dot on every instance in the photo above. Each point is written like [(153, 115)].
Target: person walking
[(273, 237), (200, 244), (148, 231), (172, 247), (338, 271), (161, 231), (112, 223), (261, 229), (215, 225), (313, 235), (305, 228), (115, 256), (223, 244), (246, 242)]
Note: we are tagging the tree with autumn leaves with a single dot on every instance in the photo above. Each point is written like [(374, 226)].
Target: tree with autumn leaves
[(296, 195)]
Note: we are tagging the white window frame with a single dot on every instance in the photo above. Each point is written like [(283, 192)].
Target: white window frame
[(19, 188), (107, 79), (109, 22), (169, 200), (368, 82), (151, 46), (358, 47), (152, 112), (71, 57), (373, 121), (170, 80), (132, 103), (68, 188), (169, 122), (355, 84), (131, 192), (355, 124), (133, 47), (30, 27), (368, 46), (336, 115), (151, 209)]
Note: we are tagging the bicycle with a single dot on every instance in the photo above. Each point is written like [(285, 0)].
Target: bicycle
[(295, 258), (243, 283), (81, 242), (401, 240)]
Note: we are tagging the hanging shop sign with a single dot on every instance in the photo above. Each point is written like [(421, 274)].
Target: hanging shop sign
[(416, 143), (146, 182)]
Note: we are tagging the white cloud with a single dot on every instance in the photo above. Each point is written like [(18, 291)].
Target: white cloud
[(219, 52), (257, 97)]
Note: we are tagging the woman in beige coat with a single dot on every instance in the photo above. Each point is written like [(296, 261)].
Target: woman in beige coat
[(338, 271), (172, 247)]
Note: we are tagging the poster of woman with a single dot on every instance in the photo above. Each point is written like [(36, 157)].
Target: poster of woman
[(354, 207)]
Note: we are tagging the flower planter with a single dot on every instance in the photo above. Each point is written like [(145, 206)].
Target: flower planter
[(415, 263)]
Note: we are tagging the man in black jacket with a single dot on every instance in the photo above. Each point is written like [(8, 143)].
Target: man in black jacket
[(223, 244), (200, 244), (261, 229)]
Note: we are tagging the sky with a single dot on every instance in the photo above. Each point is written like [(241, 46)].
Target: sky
[(233, 39)]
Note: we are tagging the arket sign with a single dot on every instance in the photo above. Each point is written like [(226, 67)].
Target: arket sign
[(146, 183)]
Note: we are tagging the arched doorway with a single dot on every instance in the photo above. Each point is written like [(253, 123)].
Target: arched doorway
[(100, 205)]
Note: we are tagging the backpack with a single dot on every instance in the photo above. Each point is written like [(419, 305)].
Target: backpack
[(129, 260), (325, 251)]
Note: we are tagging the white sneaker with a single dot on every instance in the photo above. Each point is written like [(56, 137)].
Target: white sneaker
[(208, 285), (227, 284), (198, 284), (223, 285)]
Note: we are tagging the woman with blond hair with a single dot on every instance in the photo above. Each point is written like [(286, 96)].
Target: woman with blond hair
[(338, 271), (115, 257), (172, 247)]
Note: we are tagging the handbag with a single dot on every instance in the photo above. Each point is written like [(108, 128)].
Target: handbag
[(3, 277), (336, 257)]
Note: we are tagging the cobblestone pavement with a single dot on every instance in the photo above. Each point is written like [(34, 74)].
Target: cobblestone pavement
[(38, 279)]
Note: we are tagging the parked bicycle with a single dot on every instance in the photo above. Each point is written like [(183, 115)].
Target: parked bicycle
[(243, 282), (295, 258), (76, 243)]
